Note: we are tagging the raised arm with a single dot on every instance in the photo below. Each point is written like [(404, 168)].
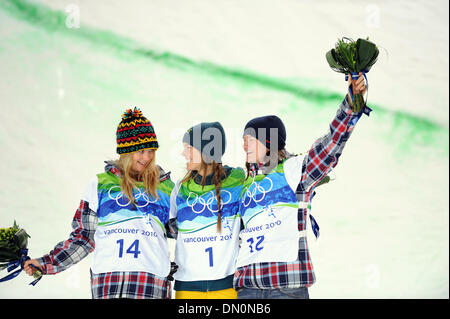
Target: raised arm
[(325, 152)]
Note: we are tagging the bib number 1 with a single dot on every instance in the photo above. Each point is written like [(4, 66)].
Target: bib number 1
[(133, 249), (211, 261)]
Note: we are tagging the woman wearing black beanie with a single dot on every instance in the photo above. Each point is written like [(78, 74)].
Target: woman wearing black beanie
[(274, 261)]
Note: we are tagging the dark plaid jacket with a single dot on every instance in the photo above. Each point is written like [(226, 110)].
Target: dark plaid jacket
[(321, 158)]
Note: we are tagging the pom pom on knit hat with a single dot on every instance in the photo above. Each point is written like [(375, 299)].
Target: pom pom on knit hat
[(135, 132), (128, 114)]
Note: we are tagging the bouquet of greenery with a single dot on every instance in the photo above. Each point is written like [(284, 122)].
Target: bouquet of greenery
[(352, 57), (14, 252)]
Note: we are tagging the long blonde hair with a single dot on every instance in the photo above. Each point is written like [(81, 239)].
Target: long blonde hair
[(150, 176), (219, 173)]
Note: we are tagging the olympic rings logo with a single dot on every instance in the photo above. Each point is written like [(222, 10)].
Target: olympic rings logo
[(123, 201), (257, 193), (194, 200)]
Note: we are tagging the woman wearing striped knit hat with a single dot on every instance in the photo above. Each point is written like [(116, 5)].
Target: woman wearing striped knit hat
[(121, 219), (274, 260)]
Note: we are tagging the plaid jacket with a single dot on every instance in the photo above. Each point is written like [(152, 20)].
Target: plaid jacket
[(322, 157), (133, 285)]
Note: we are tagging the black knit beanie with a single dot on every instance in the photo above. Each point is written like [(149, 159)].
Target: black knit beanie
[(209, 139), (260, 129)]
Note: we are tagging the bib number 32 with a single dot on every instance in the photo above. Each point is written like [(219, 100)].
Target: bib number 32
[(258, 245)]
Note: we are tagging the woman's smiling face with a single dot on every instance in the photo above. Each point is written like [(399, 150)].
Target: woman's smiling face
[(141, 159), (193, 157), (255, 150)]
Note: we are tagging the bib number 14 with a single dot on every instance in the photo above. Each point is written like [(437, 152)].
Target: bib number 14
[(133, 249)]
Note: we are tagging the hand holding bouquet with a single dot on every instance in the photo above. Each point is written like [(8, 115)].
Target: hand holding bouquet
[(357, 89), (14, 252), (355, 58)]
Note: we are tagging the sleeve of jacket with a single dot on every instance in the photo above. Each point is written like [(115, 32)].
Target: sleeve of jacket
[(172, 227), (81, 240), (325, 152)]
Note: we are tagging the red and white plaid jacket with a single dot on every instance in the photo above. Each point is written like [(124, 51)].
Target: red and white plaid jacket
[(132, 285), (321, 158)]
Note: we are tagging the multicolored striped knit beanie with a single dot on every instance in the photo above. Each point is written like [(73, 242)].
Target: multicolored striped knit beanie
[(135, 133)]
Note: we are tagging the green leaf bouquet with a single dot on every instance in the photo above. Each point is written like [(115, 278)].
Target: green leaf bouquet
[(14, 252), (352, 57)]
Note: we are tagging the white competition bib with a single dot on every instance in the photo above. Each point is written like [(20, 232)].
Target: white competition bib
[(134, 245), (269, 210), (214, 253), (201, 252), (129, 237), (271, 235)]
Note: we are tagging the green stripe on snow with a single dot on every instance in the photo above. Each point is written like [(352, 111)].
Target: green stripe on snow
[(412, 129)]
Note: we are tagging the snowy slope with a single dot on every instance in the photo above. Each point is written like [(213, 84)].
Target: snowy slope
[(384, 219), (289, 39)]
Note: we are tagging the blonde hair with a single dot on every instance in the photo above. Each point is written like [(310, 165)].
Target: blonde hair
[(219, 173), (150, 176)]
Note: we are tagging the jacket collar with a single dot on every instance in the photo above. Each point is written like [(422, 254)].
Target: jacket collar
[(210, 178), (111, 167), (268, 166)]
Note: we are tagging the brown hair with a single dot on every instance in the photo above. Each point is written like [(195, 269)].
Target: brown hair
[(282, 155), (219, 173), (150, 176)]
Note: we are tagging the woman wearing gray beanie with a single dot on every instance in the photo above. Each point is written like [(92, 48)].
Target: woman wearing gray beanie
[(204, 213)]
